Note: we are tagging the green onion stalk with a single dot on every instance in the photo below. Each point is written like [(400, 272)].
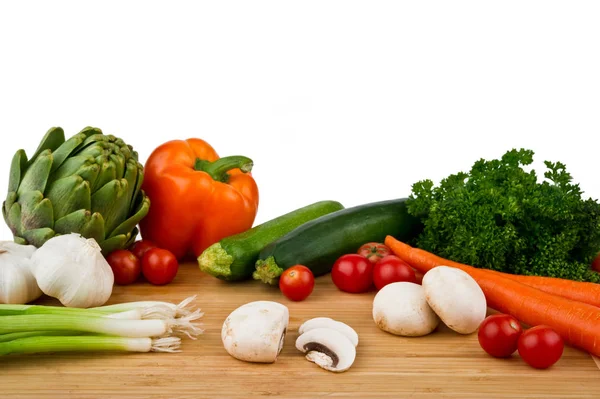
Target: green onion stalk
[(43, 344)]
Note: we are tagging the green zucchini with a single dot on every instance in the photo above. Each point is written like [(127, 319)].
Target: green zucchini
[(233, 258), (320, 242)]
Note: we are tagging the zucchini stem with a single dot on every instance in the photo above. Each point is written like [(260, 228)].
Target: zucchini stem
[(216, 262), (267, 271)]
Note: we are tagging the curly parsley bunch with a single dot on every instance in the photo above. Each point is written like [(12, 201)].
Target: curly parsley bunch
[(498, 216)]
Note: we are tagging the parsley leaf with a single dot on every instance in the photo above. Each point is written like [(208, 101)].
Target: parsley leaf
[(498, 216)]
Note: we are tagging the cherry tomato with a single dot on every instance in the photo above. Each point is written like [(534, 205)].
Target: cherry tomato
[(125, 266), (352, 273), (139, 248), (540, 347), (374, 251), (159, 266), (596, 264), (392, 269), (499, 335), (297, 283)]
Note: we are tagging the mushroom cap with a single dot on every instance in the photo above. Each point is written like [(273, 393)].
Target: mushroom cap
[(456, 297), (401, 309), (329, 349), (326, 322), (255, 332)]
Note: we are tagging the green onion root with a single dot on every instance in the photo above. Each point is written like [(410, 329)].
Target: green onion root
[(184, 325)]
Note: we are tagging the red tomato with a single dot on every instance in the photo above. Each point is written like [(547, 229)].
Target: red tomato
[(352, 273), (374, 251), (392, 269), (596, 264), (540, 347), (159, 266), (297, 283), (139, 248), (499, 335), (125, 266)]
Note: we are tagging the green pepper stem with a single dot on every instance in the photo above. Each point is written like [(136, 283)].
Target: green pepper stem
[(218, 169)]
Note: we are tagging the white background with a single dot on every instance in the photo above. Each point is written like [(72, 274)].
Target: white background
[(345, 100)]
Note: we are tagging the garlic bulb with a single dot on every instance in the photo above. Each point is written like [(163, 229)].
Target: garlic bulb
[(72, 269), (17, 284)]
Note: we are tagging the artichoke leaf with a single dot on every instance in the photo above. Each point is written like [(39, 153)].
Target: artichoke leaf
[(20, 240), (17, 169), (132, 175), (89, 172), (143, 206), (11, 198), (89, 225), (114, 243), (89, 131), (96, 149), (93, 138), (119, 163), (85, 167), (132, 237), (123, 209), (36, 211), (4, 212), (37, 237), (108, 202), (106, 175), (68, 195), (36, 176), (66, 149), (53, 139), (13, 218)]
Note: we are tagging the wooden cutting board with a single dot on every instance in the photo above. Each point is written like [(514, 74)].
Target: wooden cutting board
[(441, 365)]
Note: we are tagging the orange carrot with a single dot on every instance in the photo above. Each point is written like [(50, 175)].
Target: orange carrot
[(577, 323), (576, 290)]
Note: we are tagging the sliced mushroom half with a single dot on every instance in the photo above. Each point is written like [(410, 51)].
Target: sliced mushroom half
[(328, 348), (255, 332), (326, 322)]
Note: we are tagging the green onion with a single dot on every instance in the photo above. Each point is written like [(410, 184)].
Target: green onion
[(27, 334), (18, 310), (88, 343), (142, 326), (132, 312), (98, 325), (180, 310)]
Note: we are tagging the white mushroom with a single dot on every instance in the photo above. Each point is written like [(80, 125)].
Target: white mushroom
[(401, 309), (456, 298), (329, 349), (255, 332), (326, 322)]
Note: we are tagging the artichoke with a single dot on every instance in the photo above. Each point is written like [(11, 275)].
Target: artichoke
[(89, 184)]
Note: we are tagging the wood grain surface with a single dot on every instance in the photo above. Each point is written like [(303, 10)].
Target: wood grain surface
[(441, 365)]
